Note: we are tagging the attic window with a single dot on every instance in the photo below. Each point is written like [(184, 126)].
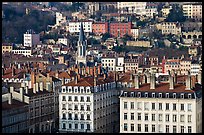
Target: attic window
[(167, 95), (146, 95), (132, 94), (125, 94), (182, 95), (153, 95), (174, 95), (160, 95), (189, 95), (139, 94)]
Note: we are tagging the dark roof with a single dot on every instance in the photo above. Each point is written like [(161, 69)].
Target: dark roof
[(15, 104), (81, 33)]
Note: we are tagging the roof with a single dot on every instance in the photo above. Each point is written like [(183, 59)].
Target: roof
[(31, 94), (81, 33), (15, 104)]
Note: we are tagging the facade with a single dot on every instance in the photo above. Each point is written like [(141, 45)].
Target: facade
[(135, 33), (170, 27), (60, 18), (193, 11), (74, 26), (131, 64), (185, 66), (119, 29), (89, 105), (194, 50), (195, 68), (172, 64), (139, 43), (146, 108), (7, 48), (63, 41), (31, 39), (109, 63), (100, 28), (25, 51), (151, 12), (165, 11)]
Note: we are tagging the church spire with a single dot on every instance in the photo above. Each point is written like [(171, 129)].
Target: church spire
[(81, 33)]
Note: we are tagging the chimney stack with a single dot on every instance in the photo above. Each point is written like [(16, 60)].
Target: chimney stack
[(144, 79), (148, 77), (22, 94), (136, 81), (171, 82), (57, 74), (10, 98), (41, 86), (34, 88), (76, 79), (95, 80), (200, 77), (152, 81), (188, 81), (63, 80), (11, 89), (26, 89), (37, 87)]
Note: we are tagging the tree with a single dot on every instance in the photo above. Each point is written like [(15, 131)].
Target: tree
[(127, 37), (105, 36), (176, 14)]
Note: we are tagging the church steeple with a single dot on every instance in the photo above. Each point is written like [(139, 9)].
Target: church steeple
[(81, 47)]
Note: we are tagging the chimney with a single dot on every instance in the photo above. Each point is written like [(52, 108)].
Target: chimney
[(171, 82), (136, 78), (188, 82), (63, 80), (152, 81), (175, 77), (200, 77), (57, 74), (26, 89), (148, 77), (41, 86), (34, 88), (95, 80), (144, 79), (10, 98), (22, 94), (37, 87), (48, 76), (13, 71), (131, 77), (76, 79), (11, 89), (104, 76)]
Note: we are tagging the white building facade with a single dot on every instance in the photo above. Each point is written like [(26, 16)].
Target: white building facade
[(74, 26), (31, 39)]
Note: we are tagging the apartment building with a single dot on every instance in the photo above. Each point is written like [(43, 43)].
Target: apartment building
[(31, 39), (135, 33), (185, 66), (26, 51), (131, 64), (15, 115), (165, 11), (112, 63), (195, 68), (63, 41), (119, 29), (194, 50), (6, 48), (165, 107), (139, 43), (100, 28), (74, 26), (172, 64), (89, 104), (170, 28), (60, 18), (193, 10)]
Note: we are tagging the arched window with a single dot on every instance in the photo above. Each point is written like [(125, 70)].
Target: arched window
[(189, 36), (194, 36)]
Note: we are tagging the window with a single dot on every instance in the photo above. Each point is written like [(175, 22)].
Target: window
[(189, 118), (182, 129), (153, 128), (189, 95), (167, 106), (174, 107), (88, 117), (125, 116), (69, 106), (174, 129), (174, 95), (139, 127), (139, 105), (132, 105), (167, 128), (160, 95), (76, 107), (146, 95), (153, 117), (88, 126), (63, 98), (146, 127), (174, 118), (125, 127), (82, 99), (88, 99), (182, 107), (160, 117), (70, 126), (181, 118), (153, 106), (125, 105), (132, 116), (76, 126), (153, 95), (70, 116), (75, 98), (82, 107), (146, 106), (88, 108), (82, 116), (63, 106), (132, 127), (139, 94), (167, 117), (189, 107), (182, 95), (69, 98), (139, 116), (75, 117), (64, 126), (64, 116), (146, 116), (189, 129), (160, 128), (167, 95), (82, 126), (160, 106)]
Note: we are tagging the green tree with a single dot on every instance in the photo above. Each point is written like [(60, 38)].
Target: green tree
[(105, 36), (176, 14)]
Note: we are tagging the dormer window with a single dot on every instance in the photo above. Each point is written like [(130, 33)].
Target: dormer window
[(160, 95), (132, 94), (182, 95), (167, 95), (174, 95), (125, 94), (189, 96), (153, 95), (139, 94), (146, 95)]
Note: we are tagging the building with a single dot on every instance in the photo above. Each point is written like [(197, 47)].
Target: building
[(165, 107), (170, 28), (119, 29), (60, 18), (195, 68), (151, 12), (109, 63), (89, 104), (193, 11), (172, 64), (131, 63), (139, 43), (100, 28), (135, 33), (185, 66), (191, 36), (74, 26), (15, 115), (165, 11), (81, 47), (31, 39), (63, 41), (26, 51), (132, 7), (7, 48), (194, 50)]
